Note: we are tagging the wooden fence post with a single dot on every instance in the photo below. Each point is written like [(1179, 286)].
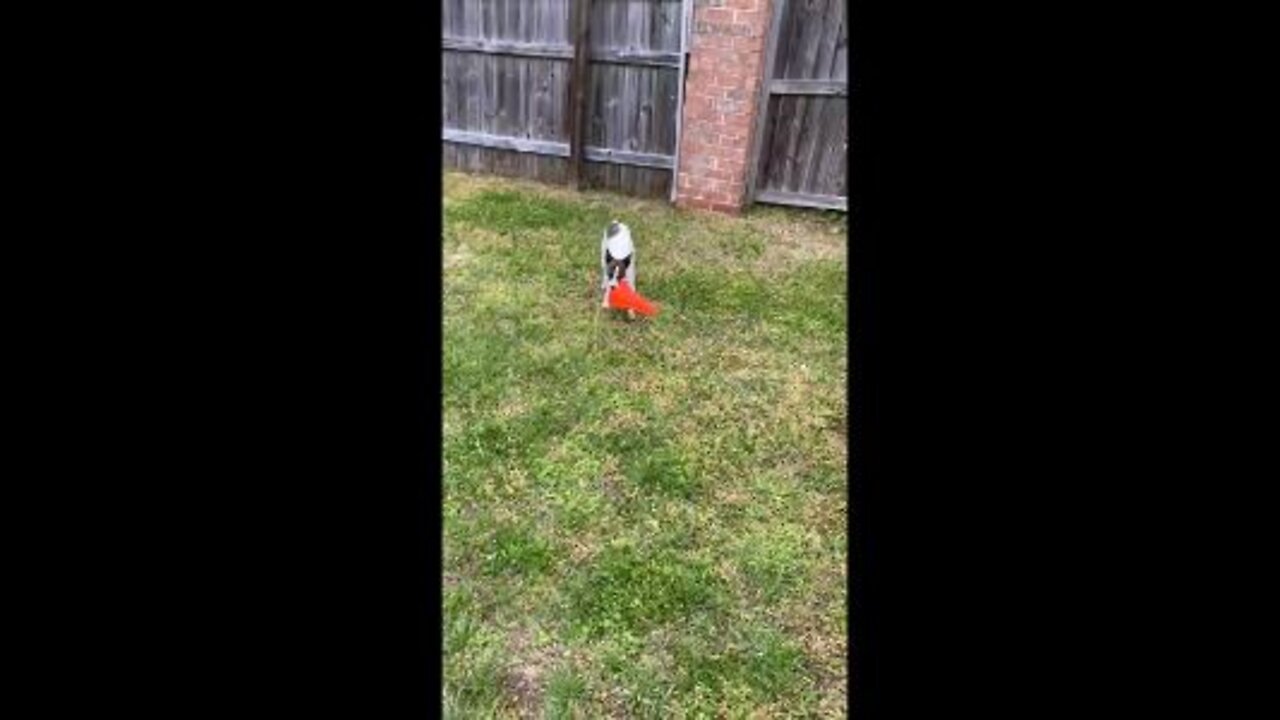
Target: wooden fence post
[(763, 100), (682, 71), (577, 117)]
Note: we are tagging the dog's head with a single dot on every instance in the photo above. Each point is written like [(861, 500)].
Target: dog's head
[(618, 252)]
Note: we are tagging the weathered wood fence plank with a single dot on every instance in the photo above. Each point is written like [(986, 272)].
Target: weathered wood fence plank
[(809, 87), (823, 202), (501, 47), (556, 149), (506, 142)]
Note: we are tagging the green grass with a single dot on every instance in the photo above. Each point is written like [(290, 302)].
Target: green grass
[(642, 518)]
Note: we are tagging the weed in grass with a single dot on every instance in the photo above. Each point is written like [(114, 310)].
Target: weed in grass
[(649, 460), (774, 560), (475, 675), (566, 691), (660, 471), (517, 549), (628, 591), (760, 660)]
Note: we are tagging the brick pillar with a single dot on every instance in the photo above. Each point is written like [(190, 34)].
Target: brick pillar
[(726, 62)]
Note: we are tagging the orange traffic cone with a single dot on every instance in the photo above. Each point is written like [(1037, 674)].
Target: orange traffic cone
[(622, 297)]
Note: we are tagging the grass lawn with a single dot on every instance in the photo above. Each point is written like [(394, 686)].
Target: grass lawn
[(648, 518)]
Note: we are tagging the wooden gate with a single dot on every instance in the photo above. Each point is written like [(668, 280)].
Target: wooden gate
[(586, 92), (801, 150)]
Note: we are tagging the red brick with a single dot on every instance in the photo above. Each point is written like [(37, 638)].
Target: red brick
[(700, 46), (694, 203), (718, 15), (720, 174)]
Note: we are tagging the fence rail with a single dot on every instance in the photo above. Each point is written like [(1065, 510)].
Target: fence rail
[(556, 149), (500, 47)]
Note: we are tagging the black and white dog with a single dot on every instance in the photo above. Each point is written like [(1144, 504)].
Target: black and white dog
[(617, 260)]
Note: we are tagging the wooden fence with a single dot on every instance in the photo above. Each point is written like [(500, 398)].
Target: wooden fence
[(801, 152), (585, 92)]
